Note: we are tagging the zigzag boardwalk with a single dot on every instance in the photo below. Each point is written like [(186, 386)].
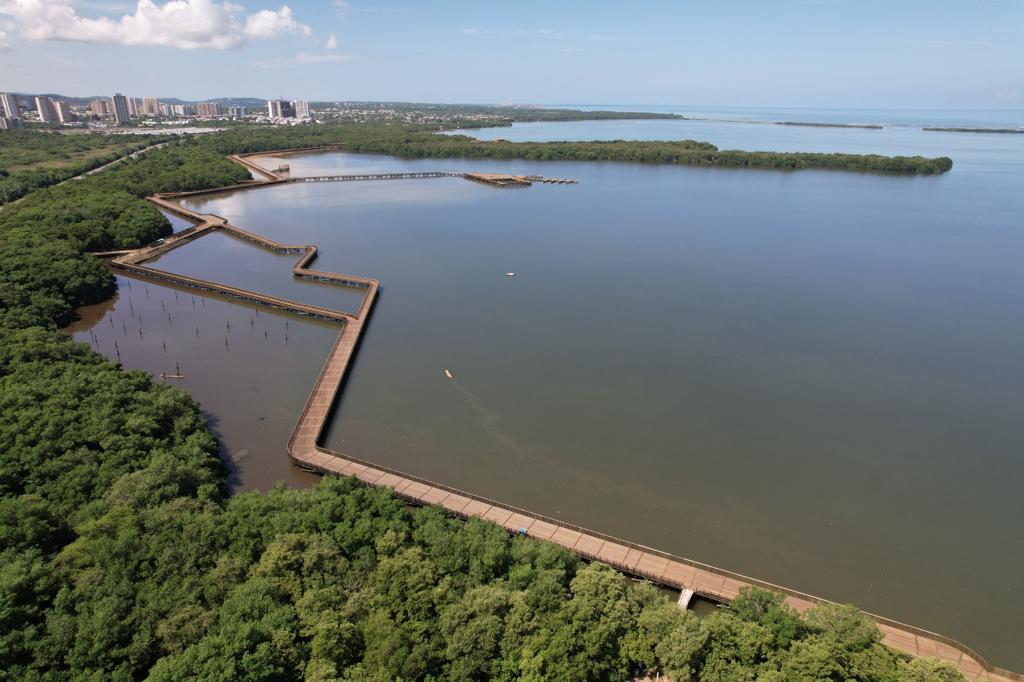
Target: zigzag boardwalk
[(305, 450)]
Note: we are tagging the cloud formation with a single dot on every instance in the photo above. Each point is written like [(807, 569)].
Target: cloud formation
[(332, 42), (517, 32), (270, 24), (6, 26), (544, 33), (303, 58), (185, 24)]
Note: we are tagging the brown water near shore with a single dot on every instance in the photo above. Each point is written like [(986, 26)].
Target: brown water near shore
[(250, 369)]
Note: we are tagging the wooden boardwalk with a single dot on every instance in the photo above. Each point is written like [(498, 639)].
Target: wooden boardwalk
[(305, 449)]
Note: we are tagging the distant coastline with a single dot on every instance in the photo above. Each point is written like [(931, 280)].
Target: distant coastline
[(1001, 131), (812, 124)]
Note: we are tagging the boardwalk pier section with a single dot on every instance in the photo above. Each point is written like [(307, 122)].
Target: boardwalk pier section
[(305, 447)]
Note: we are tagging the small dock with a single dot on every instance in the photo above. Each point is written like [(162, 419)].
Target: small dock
[(506, 180), (499, 179), (550, 181)]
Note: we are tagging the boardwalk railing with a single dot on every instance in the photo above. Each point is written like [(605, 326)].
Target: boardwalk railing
[(375, 176)]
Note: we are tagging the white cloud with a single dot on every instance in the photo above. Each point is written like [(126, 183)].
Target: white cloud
[(270, 24), (304, 59), (185, 24), (341, 6), (332, 42), (5, 42), (537, 33), (518, 32)]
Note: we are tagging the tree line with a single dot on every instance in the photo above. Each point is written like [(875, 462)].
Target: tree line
[(31, 159), (419, 141)]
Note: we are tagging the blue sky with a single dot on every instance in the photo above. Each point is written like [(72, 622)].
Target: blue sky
[(830, 53)]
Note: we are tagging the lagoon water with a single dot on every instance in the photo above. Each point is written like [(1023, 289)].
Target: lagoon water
[(249, 370), (810, 377)]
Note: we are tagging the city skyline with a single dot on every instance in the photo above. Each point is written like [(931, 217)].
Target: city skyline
[(874, 54), (122, 109)]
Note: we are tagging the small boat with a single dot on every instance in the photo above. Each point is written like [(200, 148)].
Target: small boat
[(510, 274), (448, 374), (172, 376)]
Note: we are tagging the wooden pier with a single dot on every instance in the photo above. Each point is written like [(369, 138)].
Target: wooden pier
[(305, 449), (374, 176)]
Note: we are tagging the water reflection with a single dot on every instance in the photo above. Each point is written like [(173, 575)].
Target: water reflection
[(251, 369), (227, 259)]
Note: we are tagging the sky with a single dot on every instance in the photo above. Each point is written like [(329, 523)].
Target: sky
[(800, 53)]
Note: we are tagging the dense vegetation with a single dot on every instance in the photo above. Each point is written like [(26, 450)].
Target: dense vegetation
[(423, 141), (122, 558), (1011, 131), (30, 159), (506, 116), (44, 273), (813, 124)]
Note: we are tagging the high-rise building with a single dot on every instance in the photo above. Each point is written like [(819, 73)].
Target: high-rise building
[(10, 105), (150, 106), (6, 123), (301, 108), (64, 114), (47, 113), (120, 108), (99, 107), (237, 112), (280, 108), (181, 109), (208, 109), (133, 107)]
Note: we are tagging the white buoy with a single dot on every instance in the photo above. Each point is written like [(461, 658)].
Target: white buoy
[(448, 374)]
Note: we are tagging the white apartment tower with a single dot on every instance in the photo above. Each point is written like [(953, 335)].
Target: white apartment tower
[(47, 113), (10, 105), (64, 114)]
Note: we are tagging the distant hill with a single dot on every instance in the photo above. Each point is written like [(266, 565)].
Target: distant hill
[(27, 99)]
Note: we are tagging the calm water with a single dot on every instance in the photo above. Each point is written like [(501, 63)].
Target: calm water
[(916, 118), (813, 377), (251, 388), (236, 262)]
